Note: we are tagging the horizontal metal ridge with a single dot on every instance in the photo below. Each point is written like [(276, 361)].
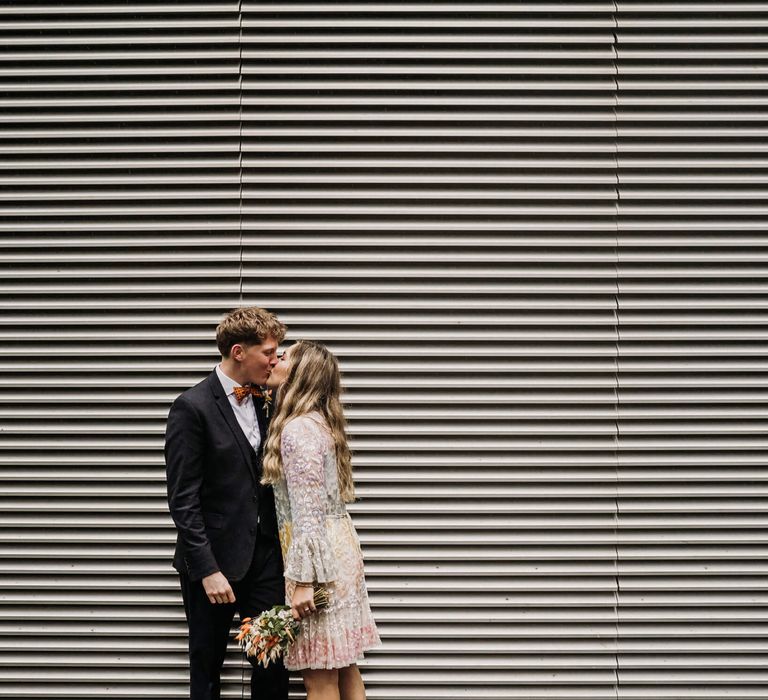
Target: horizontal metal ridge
[(58, 53), (339, 67), (298, 7), (214, 20), (25, 8), (488, 147), (691, 6)]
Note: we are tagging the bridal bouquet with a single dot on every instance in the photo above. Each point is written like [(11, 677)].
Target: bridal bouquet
[(270, 635)]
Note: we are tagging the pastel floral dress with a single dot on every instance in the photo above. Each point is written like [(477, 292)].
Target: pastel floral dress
[(319, 544)]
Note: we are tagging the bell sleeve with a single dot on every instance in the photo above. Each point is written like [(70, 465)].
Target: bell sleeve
[(310, 556)]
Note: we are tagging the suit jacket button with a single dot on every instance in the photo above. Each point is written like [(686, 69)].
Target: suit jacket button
[(255, 498), (253, 530)]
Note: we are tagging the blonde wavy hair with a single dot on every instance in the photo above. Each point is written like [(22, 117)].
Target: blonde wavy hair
[(313, 384)]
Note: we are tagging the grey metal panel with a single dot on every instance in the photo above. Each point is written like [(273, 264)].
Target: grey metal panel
[(692, 451), (437, 188), (119, 133)]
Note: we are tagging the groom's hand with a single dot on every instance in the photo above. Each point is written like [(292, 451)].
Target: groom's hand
[(217, 588)]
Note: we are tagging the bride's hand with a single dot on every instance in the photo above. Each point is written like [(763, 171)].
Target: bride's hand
[(302, 602)]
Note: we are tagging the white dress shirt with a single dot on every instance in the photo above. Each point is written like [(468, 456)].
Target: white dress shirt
[(245, 412)]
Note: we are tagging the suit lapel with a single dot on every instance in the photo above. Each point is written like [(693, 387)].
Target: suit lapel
[(222, 403)]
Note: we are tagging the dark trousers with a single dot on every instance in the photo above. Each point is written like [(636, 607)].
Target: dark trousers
[(209, 626)]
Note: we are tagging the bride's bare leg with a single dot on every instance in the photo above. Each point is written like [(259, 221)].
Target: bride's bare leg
[(321, 684), (351, 683)]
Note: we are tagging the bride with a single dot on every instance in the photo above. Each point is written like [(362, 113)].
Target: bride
[(308, 463)]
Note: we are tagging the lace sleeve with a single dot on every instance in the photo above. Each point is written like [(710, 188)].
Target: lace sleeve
[(310, 556)]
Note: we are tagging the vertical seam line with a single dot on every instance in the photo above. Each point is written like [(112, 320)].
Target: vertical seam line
[(617, 337), (240, 145)]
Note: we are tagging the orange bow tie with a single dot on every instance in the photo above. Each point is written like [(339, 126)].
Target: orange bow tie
[(242, 391)]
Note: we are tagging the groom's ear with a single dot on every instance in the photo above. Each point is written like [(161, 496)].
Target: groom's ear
[(236, 352)]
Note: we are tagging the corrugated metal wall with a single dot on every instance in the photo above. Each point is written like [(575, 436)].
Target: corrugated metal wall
[(692, 318), (535, 233)]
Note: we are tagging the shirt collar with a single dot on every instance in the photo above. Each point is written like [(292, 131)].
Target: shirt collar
[(227, 383)]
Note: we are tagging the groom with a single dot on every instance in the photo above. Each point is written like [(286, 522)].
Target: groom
[(227, 549)]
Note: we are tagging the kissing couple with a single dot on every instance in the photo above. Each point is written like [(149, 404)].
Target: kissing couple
[(259, 472)]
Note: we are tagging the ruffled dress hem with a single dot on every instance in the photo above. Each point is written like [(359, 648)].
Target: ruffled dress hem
[(369, 640)]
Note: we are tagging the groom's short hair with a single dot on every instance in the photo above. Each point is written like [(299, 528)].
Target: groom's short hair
[(248, 324)]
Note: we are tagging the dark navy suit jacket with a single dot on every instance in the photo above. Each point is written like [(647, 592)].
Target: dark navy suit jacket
[(214, 494)]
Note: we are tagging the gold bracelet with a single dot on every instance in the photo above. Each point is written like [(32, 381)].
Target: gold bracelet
[(301, 584)]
